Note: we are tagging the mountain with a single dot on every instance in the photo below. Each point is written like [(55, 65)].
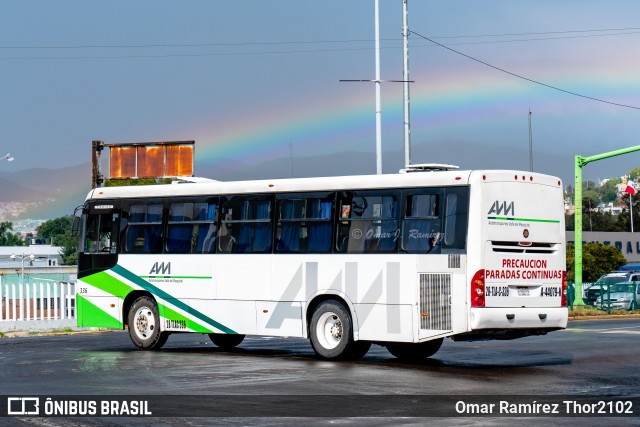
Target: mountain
[(58, 191), (46, 193), (463, 154)]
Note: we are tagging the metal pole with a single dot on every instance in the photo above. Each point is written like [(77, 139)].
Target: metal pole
[(578, 230), (407, 129), (580, 161), (631, 210), (21, 291), (378, 108)]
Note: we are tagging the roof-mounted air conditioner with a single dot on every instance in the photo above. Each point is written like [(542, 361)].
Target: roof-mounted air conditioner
[(428, 167)]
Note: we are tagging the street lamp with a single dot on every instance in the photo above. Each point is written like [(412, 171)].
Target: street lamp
[(22, 258), (8, 157)]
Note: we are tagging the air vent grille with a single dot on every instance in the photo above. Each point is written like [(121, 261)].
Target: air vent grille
[(518, 247), (435, 301)]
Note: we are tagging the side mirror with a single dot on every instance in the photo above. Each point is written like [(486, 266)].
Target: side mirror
[(77, 217)]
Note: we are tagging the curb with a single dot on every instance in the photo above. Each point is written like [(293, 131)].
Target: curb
[(605, 316), (51, 333)]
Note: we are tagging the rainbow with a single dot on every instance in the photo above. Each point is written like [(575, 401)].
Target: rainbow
[(444, 104)]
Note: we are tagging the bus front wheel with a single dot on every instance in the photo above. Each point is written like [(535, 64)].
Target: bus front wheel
[(226, 341), (144, 324), (331, 333), (414, 352)]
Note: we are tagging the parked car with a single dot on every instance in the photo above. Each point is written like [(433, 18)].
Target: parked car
[(621, 296), (595, 290), (632, 266)]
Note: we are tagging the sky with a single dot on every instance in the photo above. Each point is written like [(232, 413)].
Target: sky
[(256, 81)]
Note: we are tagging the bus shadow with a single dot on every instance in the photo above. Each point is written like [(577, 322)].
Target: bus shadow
[(489, 359), (446, 358)]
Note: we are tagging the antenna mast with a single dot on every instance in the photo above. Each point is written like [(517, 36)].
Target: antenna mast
[(530, 144)]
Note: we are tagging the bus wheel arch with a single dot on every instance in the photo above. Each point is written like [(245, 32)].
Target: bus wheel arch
[(318, 299), (143, 320), (128, 302), (330, 328)]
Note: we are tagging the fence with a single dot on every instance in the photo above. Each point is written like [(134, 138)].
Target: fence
[(585, 287), (44, 300)]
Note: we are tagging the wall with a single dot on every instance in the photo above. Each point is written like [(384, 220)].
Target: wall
[(628, 243)]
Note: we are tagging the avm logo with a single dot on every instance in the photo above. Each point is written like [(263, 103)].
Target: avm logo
[(161, 268), (502, 208)]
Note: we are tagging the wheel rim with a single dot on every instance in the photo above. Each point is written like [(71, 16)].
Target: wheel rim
[(329, 330), (144, 323)]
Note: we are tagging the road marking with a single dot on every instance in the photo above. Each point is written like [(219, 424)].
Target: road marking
[(621, 330)]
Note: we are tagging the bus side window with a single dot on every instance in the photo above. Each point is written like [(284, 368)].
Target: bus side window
[(368, 222), (100, 235), (304, 225), (192, 227), (292, 231), (91, 234), (422, 225), (144, 230), (450, 219), (456, 212), (246, 225)]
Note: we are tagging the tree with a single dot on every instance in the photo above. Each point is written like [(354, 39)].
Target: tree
[(55, 229), (7, 238), (609, 190), (597, 259), (634, 173), (58, 232)]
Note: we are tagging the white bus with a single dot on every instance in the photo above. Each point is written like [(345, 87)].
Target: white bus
[(401, 260)]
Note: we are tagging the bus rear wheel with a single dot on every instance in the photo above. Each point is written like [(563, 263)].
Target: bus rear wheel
[(144, 324), (331, 333), (226, 341), (414, 352)]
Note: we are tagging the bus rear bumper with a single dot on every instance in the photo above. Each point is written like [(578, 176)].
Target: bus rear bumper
[(510, 323)]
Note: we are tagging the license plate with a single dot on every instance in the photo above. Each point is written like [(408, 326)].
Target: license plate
[(523, 291)]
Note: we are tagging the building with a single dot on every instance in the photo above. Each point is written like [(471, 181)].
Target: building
[(43, 256), (627, 242)]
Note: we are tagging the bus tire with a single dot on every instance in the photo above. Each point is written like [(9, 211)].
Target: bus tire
[(331, 333), (414, 352), (144, 324), (226, 341)]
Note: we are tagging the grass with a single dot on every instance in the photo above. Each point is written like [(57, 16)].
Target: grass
[(15, 333), (590, 311)]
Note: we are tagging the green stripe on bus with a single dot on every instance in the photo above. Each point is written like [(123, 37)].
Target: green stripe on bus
[(502, 218), (90, 314), (171, 314), (176, 277), (165, 296), (107, 283)]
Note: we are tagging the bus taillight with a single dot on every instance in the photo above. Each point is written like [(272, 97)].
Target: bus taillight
[(564, 301), (477, 289)]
